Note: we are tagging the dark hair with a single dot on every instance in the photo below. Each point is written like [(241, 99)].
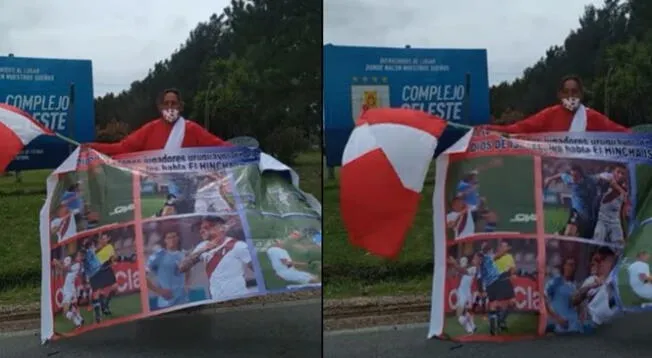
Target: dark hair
[(108, 234), (171, 196), (214, 220), (606, 251), (577, 168), (567, 78), (170, 230), (169, 90)]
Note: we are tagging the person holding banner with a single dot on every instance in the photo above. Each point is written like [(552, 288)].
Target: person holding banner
[(570, 115), (170, 131)]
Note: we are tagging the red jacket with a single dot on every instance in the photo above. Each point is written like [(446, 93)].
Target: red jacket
[(558, 119), (153, 136)]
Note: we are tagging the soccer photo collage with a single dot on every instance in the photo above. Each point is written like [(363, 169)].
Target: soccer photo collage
[(180, 242), (518, 225)]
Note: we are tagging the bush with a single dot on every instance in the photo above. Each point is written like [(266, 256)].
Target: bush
[(285, 143), (113, 132)]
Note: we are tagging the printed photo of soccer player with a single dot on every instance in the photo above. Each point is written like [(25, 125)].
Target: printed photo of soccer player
[(579, 291), (180, 194), (492, 288), (95, 280), (197, 258), (480, 200), (282, 198), (85, 200), (635, 282), (587, 199), (288, 249)]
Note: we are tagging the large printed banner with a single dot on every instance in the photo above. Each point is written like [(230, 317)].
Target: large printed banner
[(545, 234), (155, 232)]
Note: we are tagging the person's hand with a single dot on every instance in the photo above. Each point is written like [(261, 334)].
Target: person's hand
[(598, 282), (451, 260), (546, 182), (210, 245)]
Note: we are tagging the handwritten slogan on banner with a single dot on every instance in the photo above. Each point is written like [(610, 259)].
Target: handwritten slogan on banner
[(155, 232), (545, 234)]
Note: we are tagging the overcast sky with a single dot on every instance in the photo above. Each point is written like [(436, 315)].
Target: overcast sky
[(123, 38), (516, 33)]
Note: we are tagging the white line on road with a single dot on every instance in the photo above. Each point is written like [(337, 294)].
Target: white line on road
[(396, 327)]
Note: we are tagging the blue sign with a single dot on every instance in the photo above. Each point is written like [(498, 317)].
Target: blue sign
[(59, 94), (452, 84)]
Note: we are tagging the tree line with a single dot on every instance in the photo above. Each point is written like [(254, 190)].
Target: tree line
[(611, 51), (253, 70)]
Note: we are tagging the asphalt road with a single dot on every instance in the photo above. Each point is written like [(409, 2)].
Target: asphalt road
[(629, 337), (274, 330)]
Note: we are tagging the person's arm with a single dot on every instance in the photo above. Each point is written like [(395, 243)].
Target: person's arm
[(451, 220), (535, 123), (550, 291), (132, 143), (600, 123), (191, 260), (204, 138), (581, 294)]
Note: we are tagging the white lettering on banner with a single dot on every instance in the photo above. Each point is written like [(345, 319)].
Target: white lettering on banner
[(24, 74), (122, 209), (445, 101), (388, 64), (195, 161), (128, 280), (527, 298), (127, 277), (51, 110), (523, 218)]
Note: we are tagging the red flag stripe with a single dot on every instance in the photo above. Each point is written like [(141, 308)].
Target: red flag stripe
[(21, 123), (376, 208), (408, 117), (10, 146)]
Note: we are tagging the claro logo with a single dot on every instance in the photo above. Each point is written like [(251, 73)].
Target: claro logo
[(527, 298), (523, 218), (128, 280), (122, 209)]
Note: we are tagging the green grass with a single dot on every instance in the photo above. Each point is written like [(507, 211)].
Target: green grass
[(349, 271), (517, 323), (346, 287), (20, 252), (121, 306)]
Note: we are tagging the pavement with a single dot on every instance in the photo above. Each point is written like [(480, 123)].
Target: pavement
[(629, 337), (290, 329)]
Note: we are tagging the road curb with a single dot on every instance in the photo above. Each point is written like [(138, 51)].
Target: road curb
[(333, 309)]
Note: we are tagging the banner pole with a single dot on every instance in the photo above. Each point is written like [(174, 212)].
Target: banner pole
[(66, 139)]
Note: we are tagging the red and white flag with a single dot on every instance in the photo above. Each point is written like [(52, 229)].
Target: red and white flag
[(17, 129), (384, 166)]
